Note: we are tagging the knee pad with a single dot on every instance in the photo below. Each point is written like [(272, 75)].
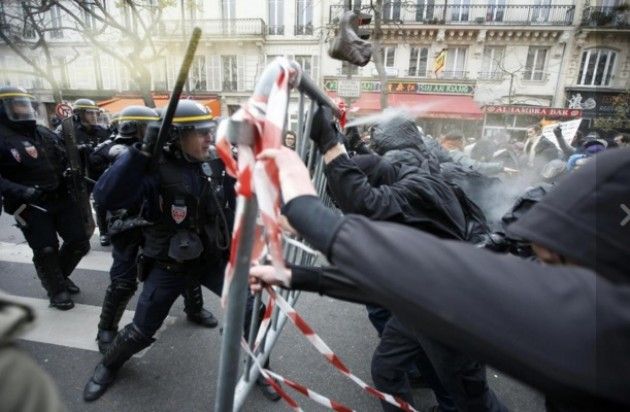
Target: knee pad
[(80, 248)]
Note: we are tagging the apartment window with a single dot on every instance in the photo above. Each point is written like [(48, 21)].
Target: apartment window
[(276, 17), (308, 64), (391, 10), (304, 18), (197, 78), (61, 72), (3, 16), (228, 9), (349, 68), (492, 62), (455, 63), (388, 54), (55, 22), (230, 73), (88, 15), (418, 61), (460, 10), (424, 10), (597, 67), (540, 11), (214, 72), (28, 30), (496, 10), (535, 65)]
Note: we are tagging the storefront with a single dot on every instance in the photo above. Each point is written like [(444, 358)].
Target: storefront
[(438, 107), (593, 103), (117, 103), (514, 120)]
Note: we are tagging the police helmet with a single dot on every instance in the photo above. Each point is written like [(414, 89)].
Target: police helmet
[(191, 115), (17, 105), (133, 120), (84, 105)]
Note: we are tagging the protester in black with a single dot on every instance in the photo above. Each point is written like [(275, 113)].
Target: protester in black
[(563, 327)]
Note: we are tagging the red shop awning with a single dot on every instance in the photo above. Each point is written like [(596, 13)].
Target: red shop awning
[(422, 105)]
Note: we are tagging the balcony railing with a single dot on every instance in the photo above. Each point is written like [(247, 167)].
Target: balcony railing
[(597, 16), (275, 30), (453, 74), (303, 29), (214, 28), (401, 13), (491, 76)]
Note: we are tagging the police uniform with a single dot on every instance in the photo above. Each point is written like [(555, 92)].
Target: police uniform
[(125, 228), (32, 162), (88, 137), (191, 205)]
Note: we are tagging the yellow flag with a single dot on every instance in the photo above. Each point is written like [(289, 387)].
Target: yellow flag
[(439, 63)]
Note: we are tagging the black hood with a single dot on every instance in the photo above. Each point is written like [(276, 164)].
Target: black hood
[(399, 142), (584, 218)]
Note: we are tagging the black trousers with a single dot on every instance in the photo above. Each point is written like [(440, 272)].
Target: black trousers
[(398, 349), (125, 247), (458, 382), (162, 287), (62, 217)]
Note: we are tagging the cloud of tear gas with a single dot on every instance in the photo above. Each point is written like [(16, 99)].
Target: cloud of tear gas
[(389, 113)]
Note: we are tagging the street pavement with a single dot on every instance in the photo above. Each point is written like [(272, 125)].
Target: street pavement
[(179, 371)]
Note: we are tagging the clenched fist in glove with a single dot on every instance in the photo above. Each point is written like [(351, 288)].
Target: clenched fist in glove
[(324, 131)]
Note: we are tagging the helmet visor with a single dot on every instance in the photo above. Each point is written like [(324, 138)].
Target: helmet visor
[(19, 108)]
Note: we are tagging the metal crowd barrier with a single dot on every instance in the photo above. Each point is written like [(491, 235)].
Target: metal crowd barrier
[(232, 393)]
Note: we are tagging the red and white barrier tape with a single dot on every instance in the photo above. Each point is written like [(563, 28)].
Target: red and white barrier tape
[(272, 378), (330, 356)]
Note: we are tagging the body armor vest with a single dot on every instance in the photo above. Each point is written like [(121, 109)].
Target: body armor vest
[(191, 220), (33, 159)]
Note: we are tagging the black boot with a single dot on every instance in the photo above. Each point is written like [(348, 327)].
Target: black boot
[(128, 342), (71, 287), (193, 306), (46, 262), (69, 256), (267, 390), (116, 298)]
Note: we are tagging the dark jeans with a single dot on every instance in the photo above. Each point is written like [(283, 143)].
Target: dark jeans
[(398, 349), (458, 382), (62, 217)]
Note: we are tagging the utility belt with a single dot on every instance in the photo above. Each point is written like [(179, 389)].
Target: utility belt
[(145, 264)]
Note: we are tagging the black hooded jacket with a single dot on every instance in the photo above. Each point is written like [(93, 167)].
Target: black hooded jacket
[(396, 193)]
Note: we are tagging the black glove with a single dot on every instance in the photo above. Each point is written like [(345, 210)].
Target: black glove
[(324, 131), (31, 194), (557, 131), (150, 139), (353, 137)]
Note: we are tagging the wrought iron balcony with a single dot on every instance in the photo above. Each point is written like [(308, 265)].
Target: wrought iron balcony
[(491, 76), (303, 29), (402, 13), (275, 30), (453, 74), (598, 16), (214, 28)]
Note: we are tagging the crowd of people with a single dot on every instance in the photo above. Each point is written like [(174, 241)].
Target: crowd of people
[(499, 252)]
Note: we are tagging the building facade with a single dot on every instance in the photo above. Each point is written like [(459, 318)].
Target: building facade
[(499, 53)]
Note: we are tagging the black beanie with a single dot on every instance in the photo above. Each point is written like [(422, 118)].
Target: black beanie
[(585, 217)]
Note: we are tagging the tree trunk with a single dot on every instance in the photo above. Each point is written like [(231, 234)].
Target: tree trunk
[(377, 51), (144, 85)]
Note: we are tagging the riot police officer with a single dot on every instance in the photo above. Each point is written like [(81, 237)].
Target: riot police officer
[(89, 133), (191, 200), (125, 230), (32, 162)]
